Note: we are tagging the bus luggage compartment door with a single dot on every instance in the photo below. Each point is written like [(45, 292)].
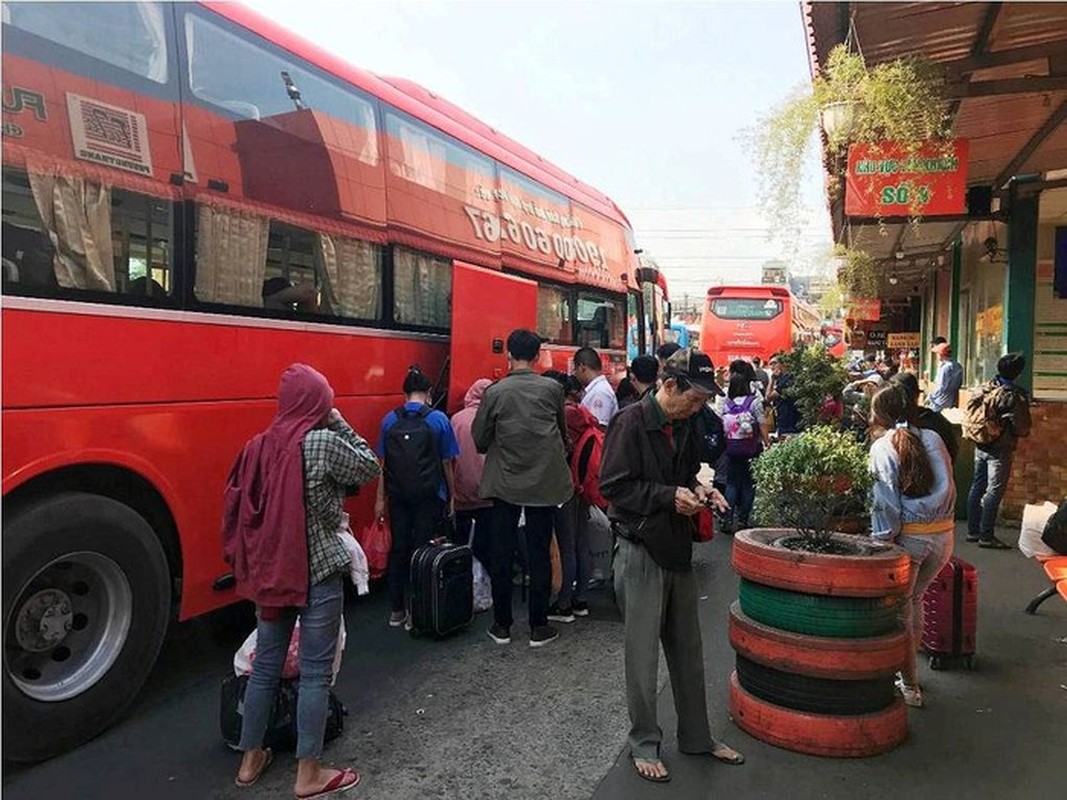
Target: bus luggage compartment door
[(486, 306)]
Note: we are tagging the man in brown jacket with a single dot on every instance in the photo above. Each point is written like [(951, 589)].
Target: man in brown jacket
[(648, 474), (521, 427)]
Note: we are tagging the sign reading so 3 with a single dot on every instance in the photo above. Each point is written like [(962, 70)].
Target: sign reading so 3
[(491, 228)]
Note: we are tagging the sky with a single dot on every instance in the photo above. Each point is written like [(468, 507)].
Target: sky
[(646, 101)]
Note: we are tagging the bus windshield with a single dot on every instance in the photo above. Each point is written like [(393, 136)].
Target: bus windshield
[(745, 308)]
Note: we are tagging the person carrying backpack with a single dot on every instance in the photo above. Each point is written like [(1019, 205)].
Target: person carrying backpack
[(570, 520), (997, 416), (746, 437), (417, 447)]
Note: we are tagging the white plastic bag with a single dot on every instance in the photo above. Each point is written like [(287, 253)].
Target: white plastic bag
[(483, 588), (598, 541), (1034, 519), (245, 657)]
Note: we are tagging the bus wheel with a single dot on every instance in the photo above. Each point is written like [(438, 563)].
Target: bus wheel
[(86, 600)]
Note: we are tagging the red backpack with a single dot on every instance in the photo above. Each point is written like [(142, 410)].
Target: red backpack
[(585, 466)]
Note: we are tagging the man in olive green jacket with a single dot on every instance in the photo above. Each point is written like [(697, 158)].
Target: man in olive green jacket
[(521, 428)]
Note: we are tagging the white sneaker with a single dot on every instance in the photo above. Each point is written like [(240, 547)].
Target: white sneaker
[(912, 693)]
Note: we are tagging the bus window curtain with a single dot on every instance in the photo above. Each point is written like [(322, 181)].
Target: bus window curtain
[(231, 256), (351, 276), (77, 214)]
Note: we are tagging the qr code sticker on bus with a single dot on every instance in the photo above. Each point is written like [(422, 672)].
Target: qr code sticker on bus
[(109, 135)]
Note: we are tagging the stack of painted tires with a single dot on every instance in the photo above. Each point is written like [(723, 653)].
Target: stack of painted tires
[(819, 639)]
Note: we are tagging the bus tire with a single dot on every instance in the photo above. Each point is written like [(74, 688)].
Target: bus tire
[(815, 695), (865, 568), (820, 615), (818, 656), (818, 734), (86, 601)]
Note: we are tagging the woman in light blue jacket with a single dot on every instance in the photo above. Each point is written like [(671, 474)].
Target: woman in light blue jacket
[(914, 498)]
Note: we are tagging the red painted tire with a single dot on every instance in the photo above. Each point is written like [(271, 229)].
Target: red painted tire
[(875, 569), (819, 734), (817, 656)]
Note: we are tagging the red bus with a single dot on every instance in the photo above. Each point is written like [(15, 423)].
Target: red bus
[(193, 199), (746, 321)]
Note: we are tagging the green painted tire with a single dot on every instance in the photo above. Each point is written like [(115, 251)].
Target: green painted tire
[(821, 615)]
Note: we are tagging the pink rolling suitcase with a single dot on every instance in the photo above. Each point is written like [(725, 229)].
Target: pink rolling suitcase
[(950, 615)]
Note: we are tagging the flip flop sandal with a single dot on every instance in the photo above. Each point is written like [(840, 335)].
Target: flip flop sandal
[(259, 774), (650, 778), (341, 782), (727, 755)]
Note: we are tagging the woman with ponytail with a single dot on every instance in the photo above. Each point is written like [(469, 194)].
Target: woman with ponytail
[(914, 498), (418, 448)]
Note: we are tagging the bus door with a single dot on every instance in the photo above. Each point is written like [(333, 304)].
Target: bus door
[(486, 306)]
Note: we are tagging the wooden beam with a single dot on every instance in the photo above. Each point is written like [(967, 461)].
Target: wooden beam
[(1003, 58), (1042, 133), (1030, 85), (981, 44), (875, 221)]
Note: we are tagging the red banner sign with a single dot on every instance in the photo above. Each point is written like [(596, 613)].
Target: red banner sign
[(865, 309), (885, 181)]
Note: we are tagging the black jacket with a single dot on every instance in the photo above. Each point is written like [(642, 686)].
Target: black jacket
[(934, 421), (639, 475)]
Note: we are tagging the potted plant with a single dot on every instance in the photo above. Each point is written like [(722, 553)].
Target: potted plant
[(899, 101), (816, 376), (808, 483), (817, 626)]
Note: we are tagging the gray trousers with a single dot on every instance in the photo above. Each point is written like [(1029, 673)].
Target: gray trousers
[(661, 606)]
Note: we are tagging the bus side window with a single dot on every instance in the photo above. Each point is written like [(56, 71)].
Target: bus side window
[(247, 260), (422, 289), (117, 242)]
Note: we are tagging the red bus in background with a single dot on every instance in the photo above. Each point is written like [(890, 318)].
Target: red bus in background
[(747, 321), (193, 199)]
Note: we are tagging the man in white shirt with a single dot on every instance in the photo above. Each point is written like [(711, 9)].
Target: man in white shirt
[(599, 397)]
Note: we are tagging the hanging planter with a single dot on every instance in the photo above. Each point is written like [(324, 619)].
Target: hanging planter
[(899, 101), (839, 119)]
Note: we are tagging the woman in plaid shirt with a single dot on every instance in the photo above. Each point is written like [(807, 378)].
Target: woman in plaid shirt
[(284, 506)]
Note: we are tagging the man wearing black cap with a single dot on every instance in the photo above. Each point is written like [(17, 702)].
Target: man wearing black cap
[(648, 475)]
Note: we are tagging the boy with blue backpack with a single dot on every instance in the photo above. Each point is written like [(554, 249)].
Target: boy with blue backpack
[(417, 447)]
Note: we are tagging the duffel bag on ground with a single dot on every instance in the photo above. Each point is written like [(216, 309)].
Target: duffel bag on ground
[(281, 727)]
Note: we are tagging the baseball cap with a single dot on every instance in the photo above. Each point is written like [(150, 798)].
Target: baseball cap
[(942, 349), (876, 379), (695, 368)]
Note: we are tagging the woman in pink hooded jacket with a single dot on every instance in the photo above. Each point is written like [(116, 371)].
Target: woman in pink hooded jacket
[(471, 508)]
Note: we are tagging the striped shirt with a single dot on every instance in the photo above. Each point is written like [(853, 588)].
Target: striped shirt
[(336, 459)]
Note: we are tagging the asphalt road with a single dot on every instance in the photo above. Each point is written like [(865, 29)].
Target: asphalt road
[(464, 718)]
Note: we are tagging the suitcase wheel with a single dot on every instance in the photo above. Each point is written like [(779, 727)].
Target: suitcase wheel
[(936, 662)]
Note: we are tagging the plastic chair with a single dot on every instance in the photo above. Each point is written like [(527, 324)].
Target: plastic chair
[(1056, 569)]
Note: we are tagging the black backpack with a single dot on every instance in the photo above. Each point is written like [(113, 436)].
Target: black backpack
[(1055, 532), (708, 429), (413, 471)]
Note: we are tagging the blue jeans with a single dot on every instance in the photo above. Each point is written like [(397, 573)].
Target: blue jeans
[(991, 473), (740, 489), (320, 621)]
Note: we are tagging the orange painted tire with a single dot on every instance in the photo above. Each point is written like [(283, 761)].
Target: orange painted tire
[(817, 656), (819, 734), (875, 569)]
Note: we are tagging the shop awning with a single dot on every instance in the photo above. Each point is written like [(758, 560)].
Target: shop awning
[(1006, 67)]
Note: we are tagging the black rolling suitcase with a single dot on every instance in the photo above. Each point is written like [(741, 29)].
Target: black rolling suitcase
[(442, 589)]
